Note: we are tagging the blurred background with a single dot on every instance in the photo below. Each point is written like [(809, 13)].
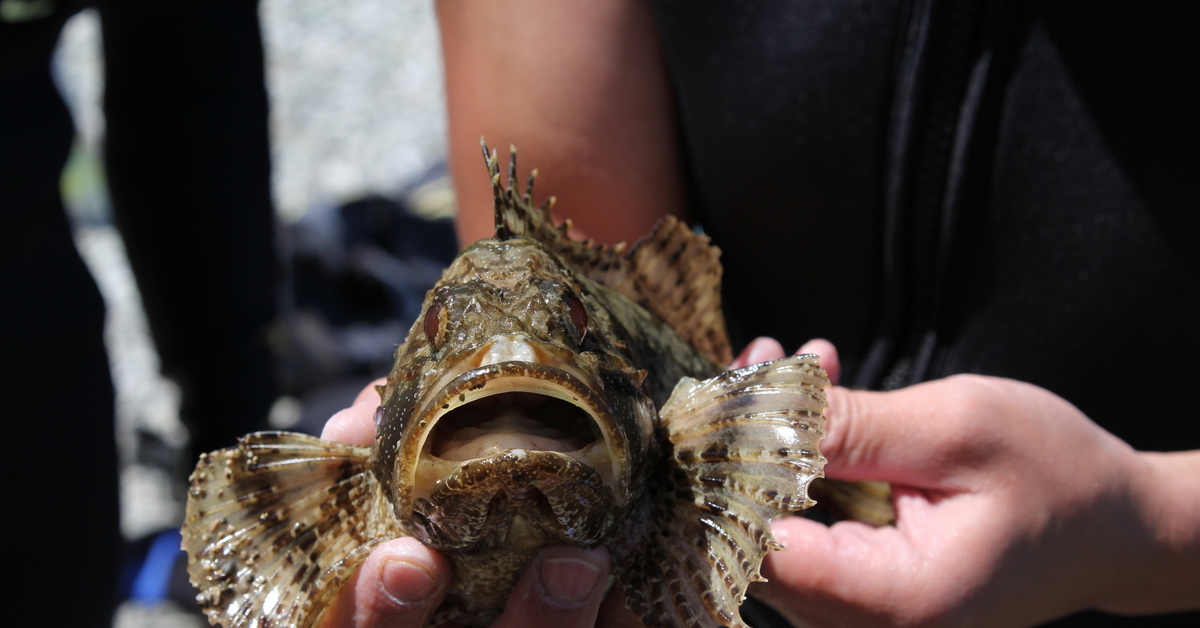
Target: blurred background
[(357, 133)]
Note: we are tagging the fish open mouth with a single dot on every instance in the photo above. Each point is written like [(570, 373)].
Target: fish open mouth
[(517, 406), (513, 420)]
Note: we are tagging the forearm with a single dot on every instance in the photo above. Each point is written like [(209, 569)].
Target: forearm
[(1168, 498), (581, 89)]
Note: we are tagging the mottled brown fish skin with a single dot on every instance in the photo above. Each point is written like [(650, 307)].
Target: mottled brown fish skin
[(552, 391), (506, 288)]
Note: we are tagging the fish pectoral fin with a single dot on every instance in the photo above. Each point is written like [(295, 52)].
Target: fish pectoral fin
[(276, 524), (743, 449)]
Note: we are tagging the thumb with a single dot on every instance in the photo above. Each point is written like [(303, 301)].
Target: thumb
[(401, 583)]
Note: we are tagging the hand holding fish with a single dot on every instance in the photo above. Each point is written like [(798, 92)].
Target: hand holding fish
[(557, 392), (552, 392), (403, 581), (1012, 508), (992, 522)]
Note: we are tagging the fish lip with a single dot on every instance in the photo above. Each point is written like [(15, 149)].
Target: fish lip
[(472, 385)]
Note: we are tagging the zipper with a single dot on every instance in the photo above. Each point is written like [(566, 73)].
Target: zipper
[(941, 73)]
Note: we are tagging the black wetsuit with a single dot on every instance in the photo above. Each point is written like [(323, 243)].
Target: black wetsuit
[(944, 187)]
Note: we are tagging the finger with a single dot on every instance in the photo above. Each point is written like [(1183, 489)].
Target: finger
[(400, 584), (354, 425), (370, 393), (761, 349), (563, 587), (840, 572), (829, 357), (918, 436)]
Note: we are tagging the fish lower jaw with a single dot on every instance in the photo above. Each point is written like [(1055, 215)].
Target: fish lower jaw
[(434, 471), (526, 498)]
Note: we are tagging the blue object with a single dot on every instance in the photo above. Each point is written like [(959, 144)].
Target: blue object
[(153, 580)]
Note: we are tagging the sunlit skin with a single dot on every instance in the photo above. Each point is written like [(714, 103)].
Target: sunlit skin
[(575, 85)]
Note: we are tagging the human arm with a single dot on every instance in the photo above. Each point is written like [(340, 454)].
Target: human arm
[(580, 88)]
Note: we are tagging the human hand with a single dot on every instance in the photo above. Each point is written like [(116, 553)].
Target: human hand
[(1013, 508), (403, 581)]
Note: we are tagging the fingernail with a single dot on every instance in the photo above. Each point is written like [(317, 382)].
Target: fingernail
[(568, 581), (764, 350), (406, 583)]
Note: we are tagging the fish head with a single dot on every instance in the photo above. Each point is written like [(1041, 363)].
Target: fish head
[(513, 397)]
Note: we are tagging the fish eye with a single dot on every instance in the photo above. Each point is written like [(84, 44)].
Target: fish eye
[(578, 314), (433, 322)]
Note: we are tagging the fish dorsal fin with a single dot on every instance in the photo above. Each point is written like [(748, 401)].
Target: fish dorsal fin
[(516, 215), (674, 273)]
